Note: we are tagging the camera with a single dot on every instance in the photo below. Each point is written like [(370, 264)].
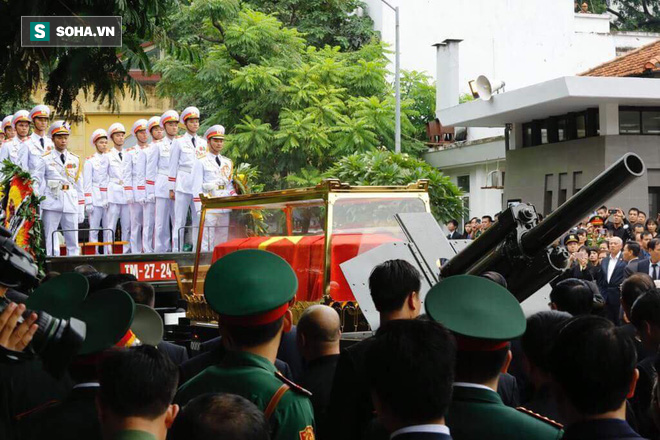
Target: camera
[(56, 340)]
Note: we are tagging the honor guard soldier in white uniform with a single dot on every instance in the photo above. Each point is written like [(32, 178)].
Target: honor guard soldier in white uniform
[(7, 129), (40, 144), (64, 202), (118, 189), (186, 152), (158, 170), (216, 181), (136, 175), (17, 150), (96, 182), (148, 174)]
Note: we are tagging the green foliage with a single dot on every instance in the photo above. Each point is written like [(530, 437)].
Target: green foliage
[(287, 105), (631, 15), (332, 23), (98, 72), (388, 168)]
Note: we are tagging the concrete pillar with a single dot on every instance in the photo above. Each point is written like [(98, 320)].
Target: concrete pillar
[(516, 137), (446, 74), (608, 116)]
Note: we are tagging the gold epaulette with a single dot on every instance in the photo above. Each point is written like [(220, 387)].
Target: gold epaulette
[(540, 417), (294, 386)]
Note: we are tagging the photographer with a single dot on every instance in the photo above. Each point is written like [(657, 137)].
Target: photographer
[(618, 227)]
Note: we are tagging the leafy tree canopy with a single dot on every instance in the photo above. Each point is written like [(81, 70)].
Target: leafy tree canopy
[(388, 168), (289, 105), (102, 73)]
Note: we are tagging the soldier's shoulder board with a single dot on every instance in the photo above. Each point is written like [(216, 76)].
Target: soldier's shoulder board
[(540, 417), (48, 153), (294, 386), (74, 154)]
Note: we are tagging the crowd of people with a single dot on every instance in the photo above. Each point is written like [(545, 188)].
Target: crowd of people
[(462, 363), (149, 189)]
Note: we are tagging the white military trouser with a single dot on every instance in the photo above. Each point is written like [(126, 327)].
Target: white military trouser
[(136, 227), (148, 212), (69, 222), (95, 218), (183, 202), (216, 229), (164, 217), (116, 212)]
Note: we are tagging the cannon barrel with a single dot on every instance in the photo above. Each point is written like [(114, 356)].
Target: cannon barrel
[(608, 183), (517, 244)]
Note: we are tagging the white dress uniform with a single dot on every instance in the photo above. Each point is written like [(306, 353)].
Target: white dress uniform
[(158, 169), (117, 196), (96, 186), (136, 196), (16, 150), (215, 179), (186, 152), (38, 146), (64, 201), (146, 177)]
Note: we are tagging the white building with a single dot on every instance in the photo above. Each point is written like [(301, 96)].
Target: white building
[(522, 42)]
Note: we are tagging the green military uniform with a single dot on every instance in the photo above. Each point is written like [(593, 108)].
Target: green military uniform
[(248, 288), (484, 316), (132, 434)]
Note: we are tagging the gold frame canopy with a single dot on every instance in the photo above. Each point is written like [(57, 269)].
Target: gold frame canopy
[(325, 194)]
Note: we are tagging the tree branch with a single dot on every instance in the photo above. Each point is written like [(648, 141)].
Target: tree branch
[(611, 11), (239, 59), (645, 6), (209, 39)]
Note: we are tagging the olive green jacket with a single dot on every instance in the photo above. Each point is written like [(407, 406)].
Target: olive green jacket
[(477, 414), (254, 378)]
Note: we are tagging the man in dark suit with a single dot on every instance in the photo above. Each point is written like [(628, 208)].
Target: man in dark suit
[(613, 268), (319, 332), (593, 385), (649, 266), (144, 293), (412, 408), (394, 286), (452, 227)]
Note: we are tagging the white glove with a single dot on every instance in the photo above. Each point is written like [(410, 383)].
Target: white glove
[(81, 216), (105, 205), (89, 208), (130, 199), (142, 202), (151, 198)]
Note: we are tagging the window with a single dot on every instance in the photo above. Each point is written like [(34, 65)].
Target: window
[(581, 123), (563, 188), (463, 182), (547, 197), (629, 122), (651, 122), (577, 181), (561, 128)]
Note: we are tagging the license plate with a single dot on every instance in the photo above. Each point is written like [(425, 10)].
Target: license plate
[(149, 271)]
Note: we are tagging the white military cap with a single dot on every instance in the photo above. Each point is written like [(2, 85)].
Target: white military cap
[(153, 122), (59, 127), (20, 116), (140, 124), (169, 116), (188, 113), (215, 131), (6, 122), (116, 128), (39, 111), (98, 134)]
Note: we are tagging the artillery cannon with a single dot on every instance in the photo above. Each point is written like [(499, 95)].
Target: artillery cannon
[(517, 245)]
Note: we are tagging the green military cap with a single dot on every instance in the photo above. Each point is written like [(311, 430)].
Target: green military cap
[(250, 287), (482, 314), (60, 296), (147, 325), (571, 238), (108, 315)]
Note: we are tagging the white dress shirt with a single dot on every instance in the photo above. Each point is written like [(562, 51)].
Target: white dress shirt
[(611, 265), (438, 429)]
